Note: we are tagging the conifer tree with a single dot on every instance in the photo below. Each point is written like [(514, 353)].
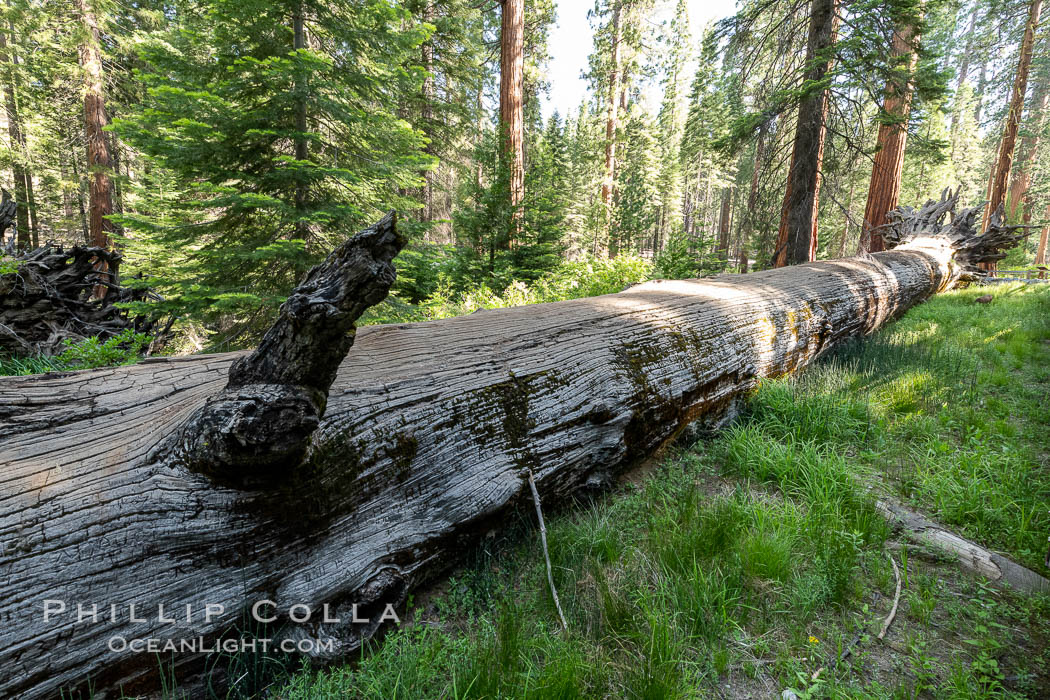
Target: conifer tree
[(282, 138)]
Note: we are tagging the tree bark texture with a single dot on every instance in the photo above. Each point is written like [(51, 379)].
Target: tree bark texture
[(885, 187), (1017, 204), (424, 442), (797, 237), (512, 76), (1004, 162), (100, 189)]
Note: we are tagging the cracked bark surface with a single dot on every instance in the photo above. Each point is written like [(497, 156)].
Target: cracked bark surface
[(424, 444)]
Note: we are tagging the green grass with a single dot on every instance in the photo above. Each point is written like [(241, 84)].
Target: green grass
[(747, 562), (125, 348)]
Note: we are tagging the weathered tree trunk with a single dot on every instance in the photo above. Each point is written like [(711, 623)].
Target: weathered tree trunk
[(512, 76), (366, 477), (885, 188), (1005, 159), (797, 237), (967, 554)]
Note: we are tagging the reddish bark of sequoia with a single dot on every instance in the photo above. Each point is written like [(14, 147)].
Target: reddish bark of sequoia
[(512, 68), (1017, 204), (100, 193), (885, 188)]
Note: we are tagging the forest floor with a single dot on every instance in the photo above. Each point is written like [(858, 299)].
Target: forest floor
[(741, 565)]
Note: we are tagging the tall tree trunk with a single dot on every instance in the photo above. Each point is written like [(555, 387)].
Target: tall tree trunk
[(1013, 118), (752, 198), (512, 67), (100, 190), (849, 213), (302, 147), (14, 130), (722, 253), (797, 237), (885, 188), (1040, 252), (1029, 149), (85, 230), (305, 475), (982, 85), (429, 95), (34, 222), (612, 117)]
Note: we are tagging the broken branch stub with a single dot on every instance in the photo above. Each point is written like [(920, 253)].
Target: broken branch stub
[(259, 426)]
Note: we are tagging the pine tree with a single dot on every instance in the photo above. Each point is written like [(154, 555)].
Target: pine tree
[(797, 240), (264, 192)]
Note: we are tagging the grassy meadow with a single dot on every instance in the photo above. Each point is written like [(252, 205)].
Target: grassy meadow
[(742, 565)]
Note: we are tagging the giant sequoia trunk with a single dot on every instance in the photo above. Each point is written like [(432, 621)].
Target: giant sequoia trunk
[(511, 101), (292, 477), (885, 187)]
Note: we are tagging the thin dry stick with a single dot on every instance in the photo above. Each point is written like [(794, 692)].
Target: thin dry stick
[(546, 555), (896, 599)]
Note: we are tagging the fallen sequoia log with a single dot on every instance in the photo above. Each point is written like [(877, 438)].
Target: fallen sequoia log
[(208, 490), (52, 296)]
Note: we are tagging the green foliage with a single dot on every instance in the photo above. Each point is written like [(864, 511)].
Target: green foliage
[(125, 348), (576, 280), (8, 265), (122, 349), (754, 557), (274, 155)]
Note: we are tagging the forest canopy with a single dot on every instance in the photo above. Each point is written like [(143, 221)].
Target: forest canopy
[(226, 146)]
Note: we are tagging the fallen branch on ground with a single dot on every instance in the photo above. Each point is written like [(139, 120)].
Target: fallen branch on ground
[(896, 600)]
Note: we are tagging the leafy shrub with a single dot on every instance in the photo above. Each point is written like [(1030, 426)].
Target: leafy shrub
[(8, 265), (121, 349)]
